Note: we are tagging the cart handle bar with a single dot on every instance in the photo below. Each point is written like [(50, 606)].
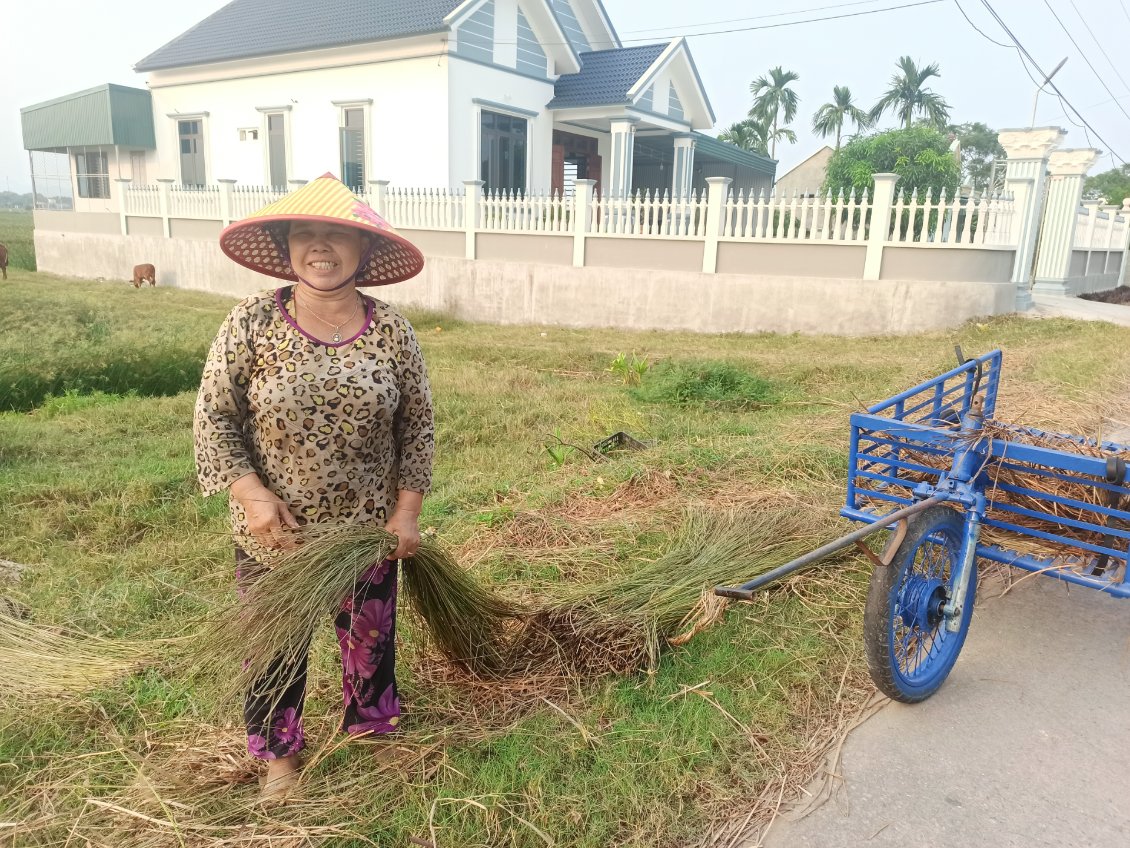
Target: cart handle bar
[(745, 591)]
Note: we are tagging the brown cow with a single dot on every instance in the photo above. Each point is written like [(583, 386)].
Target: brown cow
[(144, 274), (4, 260)]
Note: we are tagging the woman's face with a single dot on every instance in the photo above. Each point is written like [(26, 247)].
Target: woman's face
[(324, 255)]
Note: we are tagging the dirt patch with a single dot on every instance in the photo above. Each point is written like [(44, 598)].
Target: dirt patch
[(1120, 295)]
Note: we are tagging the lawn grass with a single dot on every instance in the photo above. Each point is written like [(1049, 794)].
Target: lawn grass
[(16, 234), (98, 498)]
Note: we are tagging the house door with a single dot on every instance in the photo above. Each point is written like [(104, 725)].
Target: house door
[(276, 150), (191, 152), (137, 167), (574, 158)]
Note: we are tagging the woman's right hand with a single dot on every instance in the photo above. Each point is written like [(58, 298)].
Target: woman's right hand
[(268, 516)]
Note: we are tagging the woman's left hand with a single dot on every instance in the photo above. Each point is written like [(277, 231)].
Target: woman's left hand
[(405, 526)]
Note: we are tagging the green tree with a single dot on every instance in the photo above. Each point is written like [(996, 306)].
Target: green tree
[(774, 104), (1114, 185), (830, 117), (751, 134), (908, 96), (919, 155), (979, 149)]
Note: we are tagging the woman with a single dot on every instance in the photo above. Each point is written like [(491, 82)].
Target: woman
[(314, 406)]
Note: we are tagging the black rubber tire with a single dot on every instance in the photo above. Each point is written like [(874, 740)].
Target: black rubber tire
[(927, 556)]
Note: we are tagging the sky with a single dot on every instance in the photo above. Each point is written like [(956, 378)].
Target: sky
[(982, 81)]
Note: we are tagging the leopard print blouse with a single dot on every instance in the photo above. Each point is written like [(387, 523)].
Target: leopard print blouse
[(335, 430)]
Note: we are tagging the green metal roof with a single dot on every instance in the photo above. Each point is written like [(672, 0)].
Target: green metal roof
[(105, 115), (730, 153)]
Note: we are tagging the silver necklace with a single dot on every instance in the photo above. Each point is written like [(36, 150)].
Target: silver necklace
[(336, 337)]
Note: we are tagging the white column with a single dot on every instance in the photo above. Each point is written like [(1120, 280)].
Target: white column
[(225, 200), (473, 191), (880, 226), (1066, 170), (1123, 242), (1026, 153), (378, 197), (582, 218), (163, 189), (682, 167), (619, 182), (717, 190), (1111, 211), (123, 186)]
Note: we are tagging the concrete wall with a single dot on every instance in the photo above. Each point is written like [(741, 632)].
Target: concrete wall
[(144, 226), (657, 254), (510, 247), (192, 229), (964, 264), (79, 222), (437, 242), (528, 293), (804, 260)]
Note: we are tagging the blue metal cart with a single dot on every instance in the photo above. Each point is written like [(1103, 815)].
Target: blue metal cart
[(924, 465)]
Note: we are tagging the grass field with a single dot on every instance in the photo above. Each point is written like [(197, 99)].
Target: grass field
[(15, 232), (98, 499)]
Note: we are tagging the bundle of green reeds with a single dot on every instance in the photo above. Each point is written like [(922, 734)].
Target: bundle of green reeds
[(624, 623), (38, 660)]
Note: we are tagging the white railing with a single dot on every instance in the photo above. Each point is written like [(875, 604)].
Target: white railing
[(422, 209), (650, 214), (757, 216), (248, 199), (194, 202), (143, 201), (1099, 229), (985, 220), (525, 213)]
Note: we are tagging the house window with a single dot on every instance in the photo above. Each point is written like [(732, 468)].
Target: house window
[(93, 173), (276, 149), (502, 152), (353, 147), (249, 134), (191, 138)]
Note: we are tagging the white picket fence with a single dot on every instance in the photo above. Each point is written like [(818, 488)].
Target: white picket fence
[(1098, 229), (802, 217), (985, 220)]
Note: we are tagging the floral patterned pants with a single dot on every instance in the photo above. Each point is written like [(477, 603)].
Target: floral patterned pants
[(366, 632)]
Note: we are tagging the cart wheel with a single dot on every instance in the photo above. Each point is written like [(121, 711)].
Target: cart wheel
[(909, 650)]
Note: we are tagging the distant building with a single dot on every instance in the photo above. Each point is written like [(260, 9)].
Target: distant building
[(808, 176)]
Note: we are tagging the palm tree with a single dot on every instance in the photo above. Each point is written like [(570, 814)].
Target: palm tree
[(753, 135), (771, 98), (907, 96), (830, 117)]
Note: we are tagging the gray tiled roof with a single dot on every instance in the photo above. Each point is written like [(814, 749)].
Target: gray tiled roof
[(246, 28), (605, 77)]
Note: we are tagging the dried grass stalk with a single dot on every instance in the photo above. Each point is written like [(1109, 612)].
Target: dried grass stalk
[(39, 661)]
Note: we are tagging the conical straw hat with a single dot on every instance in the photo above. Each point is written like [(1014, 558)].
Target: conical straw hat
[(258, 241)]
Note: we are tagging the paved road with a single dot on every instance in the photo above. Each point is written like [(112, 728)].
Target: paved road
[(1049, 306), (1027, 744)]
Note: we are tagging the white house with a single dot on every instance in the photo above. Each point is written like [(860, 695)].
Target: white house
[(525, 95)]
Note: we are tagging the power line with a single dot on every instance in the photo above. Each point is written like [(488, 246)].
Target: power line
[(1100, 46), (1094, 70), (983, 33), (797, 23), (1036, 65), (761, 17)]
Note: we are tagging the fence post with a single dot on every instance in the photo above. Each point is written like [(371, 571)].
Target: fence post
[(164, 186), (1111, 211), (225, 200), (718, 188), (473, 191), (582, 218), (123, 197), (1066, 169), (1026, 153), (1124, 241), (881, 202), (378, 197)]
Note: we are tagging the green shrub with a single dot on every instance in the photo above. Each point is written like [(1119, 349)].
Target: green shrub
[(709, 383)]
